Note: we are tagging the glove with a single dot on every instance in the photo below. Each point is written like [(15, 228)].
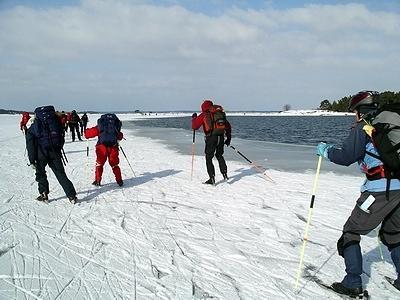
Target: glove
[(194, 115), (227, 142), (322, 149)]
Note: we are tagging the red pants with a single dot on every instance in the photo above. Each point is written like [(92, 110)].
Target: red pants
[(104, 152)]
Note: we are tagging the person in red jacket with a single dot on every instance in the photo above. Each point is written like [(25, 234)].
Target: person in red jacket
[(63, 118), (24, 120), (108, 130), (215, 126)]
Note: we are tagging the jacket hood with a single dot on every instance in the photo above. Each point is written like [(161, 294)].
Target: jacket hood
[(206, 105)]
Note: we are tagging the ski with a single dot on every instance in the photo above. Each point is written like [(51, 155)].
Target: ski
[(391, 281), (43, 201), (363, 296)]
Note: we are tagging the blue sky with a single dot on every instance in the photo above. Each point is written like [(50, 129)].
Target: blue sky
[(170, 55)]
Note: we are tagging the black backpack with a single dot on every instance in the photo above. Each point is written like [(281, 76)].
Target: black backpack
[(386, 137), (47, 129), (109, 126)]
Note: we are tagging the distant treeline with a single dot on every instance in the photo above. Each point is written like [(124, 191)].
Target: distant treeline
[(18, 112), (10, 112), (342, 104)]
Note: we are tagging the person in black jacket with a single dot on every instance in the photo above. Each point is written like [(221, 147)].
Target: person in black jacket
[(84, 121), (45, 149), (374, 206), (74, 125)]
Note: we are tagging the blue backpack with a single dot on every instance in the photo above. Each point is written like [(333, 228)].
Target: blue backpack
[(47, 128), (109, 126)]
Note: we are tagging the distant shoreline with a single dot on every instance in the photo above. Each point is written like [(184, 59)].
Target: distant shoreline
[(171, 114)]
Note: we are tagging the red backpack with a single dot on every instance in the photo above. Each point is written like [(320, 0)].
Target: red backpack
[(215, 120)]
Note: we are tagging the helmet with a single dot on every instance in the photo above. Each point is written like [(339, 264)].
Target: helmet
[(364, 99)]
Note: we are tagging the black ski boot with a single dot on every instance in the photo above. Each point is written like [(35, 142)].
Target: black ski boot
[(225, 176), (210, 181), (43, 197), (96, 183), (339, 288), (73, 199), (120, 183)]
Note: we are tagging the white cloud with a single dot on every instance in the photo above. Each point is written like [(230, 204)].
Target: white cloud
[(108, 54)]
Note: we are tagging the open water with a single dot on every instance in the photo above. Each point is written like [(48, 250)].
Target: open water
[(276, 142)]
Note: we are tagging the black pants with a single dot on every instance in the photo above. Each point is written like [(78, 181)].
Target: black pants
[(381, 211), (215, 145), (83, 127), (55, 163), (75, 127)]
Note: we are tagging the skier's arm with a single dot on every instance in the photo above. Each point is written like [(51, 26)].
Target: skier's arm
[(228, 130), (198, 121), (353, 148), (91, 132), (120, 136), (31, 146)]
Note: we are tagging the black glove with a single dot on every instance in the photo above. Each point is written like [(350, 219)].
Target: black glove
[(227, 142), (194, 115)]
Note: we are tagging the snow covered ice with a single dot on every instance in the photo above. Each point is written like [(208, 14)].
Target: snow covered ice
[(165, 236)]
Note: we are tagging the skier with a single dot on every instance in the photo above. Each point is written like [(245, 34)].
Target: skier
[(210, 117), (74, 125), (24, 120), (44, 142), (64, 120), (84, 121), (372, 207), (108, 130)]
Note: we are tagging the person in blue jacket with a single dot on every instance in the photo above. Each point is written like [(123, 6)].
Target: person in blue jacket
[(374, 206)]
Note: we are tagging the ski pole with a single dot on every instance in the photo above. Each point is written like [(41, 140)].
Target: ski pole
[(253, 164), (63, 153), (87, 158), (305, 238), (193, 145), (123, 152), (379, 245)]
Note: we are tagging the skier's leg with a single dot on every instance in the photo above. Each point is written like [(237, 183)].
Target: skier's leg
[(390, 233), (359, 223), (219, 154), (41, 177), (211, 144), (57, 167), (101, 157), (113, 160)]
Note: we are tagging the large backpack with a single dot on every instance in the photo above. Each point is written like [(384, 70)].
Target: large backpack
[(48, 129), (109, 126), (215, 120), (386, 137)]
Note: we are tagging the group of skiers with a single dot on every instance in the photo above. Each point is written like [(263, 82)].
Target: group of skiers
[(45, 138), (378, 203), (69, 120)]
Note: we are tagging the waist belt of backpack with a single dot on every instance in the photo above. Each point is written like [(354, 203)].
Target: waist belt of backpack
[(376, 173), (379, 173), (387, 175)]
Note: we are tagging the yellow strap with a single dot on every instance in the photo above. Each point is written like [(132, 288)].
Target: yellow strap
[(369, 129)]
